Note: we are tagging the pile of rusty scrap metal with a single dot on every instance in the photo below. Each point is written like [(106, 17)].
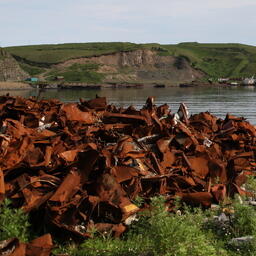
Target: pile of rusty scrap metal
[(79, 166), (41, 246)]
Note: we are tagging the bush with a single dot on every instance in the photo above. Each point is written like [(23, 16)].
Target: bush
[(241, 222), (172, 234), (156, 233), (195, 232), (13, 223)]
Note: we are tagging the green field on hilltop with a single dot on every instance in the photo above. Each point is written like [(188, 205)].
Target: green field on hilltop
[(56, 53), (215, 60)]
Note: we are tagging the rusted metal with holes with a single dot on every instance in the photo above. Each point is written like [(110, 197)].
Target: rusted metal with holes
[(82, 164)]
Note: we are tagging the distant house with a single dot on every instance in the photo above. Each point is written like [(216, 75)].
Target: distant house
[(32, 79)]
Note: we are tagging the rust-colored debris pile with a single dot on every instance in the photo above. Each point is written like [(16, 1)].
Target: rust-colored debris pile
[(79, 166), (41, 246)]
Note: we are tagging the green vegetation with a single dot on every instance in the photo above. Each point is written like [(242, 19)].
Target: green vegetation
[(2, 54), (86, 73), (31, 70), (56, 53), (187, 232), (156, 233), (13, 223), (215, 60)]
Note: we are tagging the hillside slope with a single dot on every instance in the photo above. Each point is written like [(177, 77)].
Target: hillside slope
[(127, 62), (142, 65), (217, 60), (9, 68)]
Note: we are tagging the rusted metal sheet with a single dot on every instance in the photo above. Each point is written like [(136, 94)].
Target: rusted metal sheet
[(41, 246), (2, 184), (73, 113), (82, 164)]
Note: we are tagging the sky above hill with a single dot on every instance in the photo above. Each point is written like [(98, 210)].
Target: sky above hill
[(26, 22)]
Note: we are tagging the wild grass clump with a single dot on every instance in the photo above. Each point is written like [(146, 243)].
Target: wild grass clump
[(192, 232), (238, 222), (13, 223), (157, 232), (172, 234)]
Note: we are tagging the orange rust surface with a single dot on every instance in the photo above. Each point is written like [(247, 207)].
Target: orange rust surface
[(82, 164)]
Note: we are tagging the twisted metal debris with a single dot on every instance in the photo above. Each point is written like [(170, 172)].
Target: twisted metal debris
[(80, 165)]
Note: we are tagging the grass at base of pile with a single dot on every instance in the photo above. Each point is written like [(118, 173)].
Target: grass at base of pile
[(13, 223), (189, 232), (193, 233), (156, 233)]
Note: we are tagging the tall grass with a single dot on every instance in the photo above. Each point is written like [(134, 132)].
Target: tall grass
[(157, 232), (192, 232), (13, 223)]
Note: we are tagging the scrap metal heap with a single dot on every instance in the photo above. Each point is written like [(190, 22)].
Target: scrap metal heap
[(79, 166)]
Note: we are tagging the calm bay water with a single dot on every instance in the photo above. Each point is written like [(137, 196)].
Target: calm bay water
[(240, 101)]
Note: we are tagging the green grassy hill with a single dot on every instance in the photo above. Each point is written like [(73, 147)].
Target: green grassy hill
[(215, 60), (56, 53), (10, 70)]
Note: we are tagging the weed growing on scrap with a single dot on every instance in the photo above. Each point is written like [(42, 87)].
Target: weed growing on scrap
[(191, 232), (158, 232), (13, 223)]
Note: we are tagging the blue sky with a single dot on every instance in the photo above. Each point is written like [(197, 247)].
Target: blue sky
[(26, 22)]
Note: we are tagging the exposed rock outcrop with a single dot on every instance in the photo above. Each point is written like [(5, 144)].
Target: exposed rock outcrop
[(140, 66), (10, 69)]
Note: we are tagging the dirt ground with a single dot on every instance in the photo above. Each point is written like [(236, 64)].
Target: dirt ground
[(14, 85)]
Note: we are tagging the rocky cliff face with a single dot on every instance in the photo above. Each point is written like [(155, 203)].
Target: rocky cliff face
[(140, 66), (10, 69)]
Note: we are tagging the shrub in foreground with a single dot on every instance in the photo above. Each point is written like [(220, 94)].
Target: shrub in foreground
[(157, 233), (13, 223)]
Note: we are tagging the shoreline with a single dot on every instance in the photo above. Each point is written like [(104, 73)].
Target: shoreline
[(12, 86)]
